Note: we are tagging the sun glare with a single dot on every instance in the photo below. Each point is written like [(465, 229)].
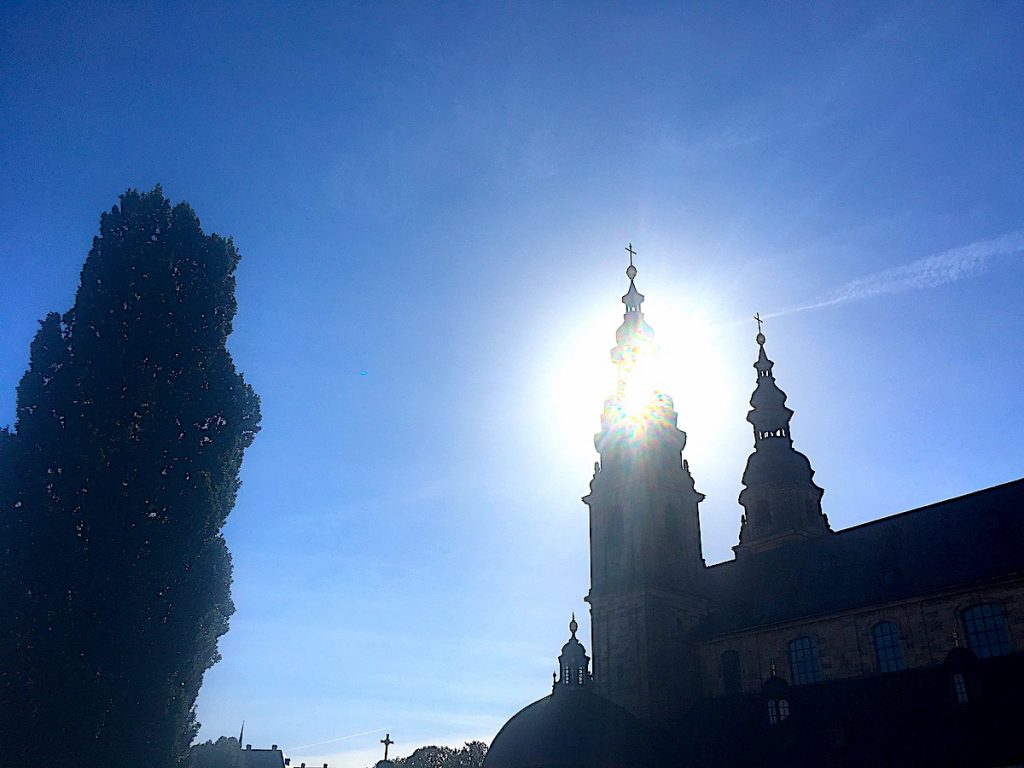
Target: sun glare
[(685, 362), (640, 385)]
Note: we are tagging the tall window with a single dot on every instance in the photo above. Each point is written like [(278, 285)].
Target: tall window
[(731, 671), (803, 660), (778, 710), (960, 688), (888, 646), (985, 626)]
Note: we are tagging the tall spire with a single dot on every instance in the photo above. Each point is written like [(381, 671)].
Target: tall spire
[(780, 498), (636, 405), (646, 565)]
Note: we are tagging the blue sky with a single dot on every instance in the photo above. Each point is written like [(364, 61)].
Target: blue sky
[(432, 202)]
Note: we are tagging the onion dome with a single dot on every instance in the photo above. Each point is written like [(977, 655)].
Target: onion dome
[(780, 499)]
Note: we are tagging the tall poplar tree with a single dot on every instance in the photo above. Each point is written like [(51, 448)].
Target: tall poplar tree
[(114, 487)]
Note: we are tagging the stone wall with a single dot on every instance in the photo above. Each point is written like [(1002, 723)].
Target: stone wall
[(845, 642)]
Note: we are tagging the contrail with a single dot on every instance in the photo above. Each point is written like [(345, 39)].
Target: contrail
[(331, 741), (928, 272)]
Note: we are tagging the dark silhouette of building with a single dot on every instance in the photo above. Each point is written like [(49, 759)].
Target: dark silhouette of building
[(264, 758), (896, 642), (572, 726)]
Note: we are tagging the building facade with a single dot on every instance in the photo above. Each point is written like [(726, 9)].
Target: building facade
[(899, 641)]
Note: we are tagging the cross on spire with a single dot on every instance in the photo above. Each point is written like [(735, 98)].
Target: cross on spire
[(387, 742), (759, 321), (630, 270)]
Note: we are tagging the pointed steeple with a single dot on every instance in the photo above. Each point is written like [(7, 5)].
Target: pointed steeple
[(780, 499), (573, 664), (634, 356), (637, 413), (646, 565)]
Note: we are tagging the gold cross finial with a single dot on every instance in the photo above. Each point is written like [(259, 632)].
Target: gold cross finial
[(760, 336), (630, 270)]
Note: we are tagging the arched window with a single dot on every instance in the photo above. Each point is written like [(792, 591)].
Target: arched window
[(985, 627), (778, 710), (803, 660), (888, 646), (731, 672)]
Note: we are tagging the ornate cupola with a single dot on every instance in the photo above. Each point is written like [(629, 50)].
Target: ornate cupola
[(638, 425), (573, 726), (780, 499), (646, 564), (573, 664)]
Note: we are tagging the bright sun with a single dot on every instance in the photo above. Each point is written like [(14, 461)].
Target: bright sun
[(684, 362)]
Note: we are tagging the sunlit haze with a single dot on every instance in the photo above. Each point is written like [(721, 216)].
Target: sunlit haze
[(432, 205)]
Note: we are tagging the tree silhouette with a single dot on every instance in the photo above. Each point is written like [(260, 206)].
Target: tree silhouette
[(226, 752), (114, 486), (471, 755)]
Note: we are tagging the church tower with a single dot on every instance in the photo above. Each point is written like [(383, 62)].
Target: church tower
[(645, 550), (780, 499)]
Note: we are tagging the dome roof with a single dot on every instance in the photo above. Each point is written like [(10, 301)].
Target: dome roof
[(571, 729)]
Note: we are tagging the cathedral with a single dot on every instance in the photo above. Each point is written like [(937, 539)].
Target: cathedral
[(895, 642)]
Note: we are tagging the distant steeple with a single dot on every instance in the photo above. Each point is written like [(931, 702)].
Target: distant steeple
[(573, 664), (780, 499)]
